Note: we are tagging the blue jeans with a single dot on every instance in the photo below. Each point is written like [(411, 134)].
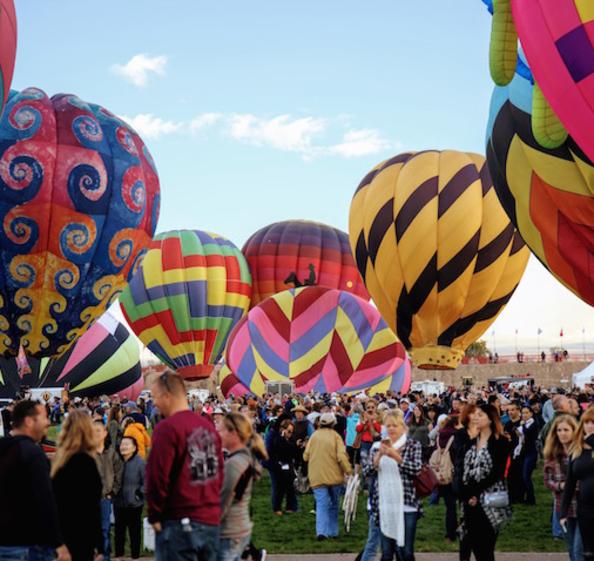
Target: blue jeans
[(231, 549), (406, 553), (451, 520), (173, 543), (327, 504), (27, 553), (573, 540), (106, 527), (374, 538), (557, 530)]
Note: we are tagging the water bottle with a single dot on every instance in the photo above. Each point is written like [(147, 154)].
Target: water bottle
[(186, 526)]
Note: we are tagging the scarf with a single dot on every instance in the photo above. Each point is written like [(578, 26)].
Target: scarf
[(391, 496)]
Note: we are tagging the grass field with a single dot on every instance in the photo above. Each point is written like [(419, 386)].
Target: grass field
[(529, 529)]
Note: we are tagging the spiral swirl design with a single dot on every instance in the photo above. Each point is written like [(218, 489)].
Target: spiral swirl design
[(67, 278), (103, 287), (23, 274), (21, 173), (23, 300), (133, 190), (26, 119), (126, 140), (76, 239), (120, 249), (87, 130), (85, 183), (21, 230)]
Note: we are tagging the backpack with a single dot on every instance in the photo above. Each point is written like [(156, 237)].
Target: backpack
[(441, 463)]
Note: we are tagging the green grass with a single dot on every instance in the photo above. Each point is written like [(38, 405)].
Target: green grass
[(529, 529)]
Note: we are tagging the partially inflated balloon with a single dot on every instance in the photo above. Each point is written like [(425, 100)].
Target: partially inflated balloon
[(105, 360), (187, 295), (230, 383), (547, 193), (436, 250), (79, 201), (298, 252), (319, 339), (8, 43)]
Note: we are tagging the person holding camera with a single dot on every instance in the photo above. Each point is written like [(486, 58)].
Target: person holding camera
[(369, 428), (283, 455)]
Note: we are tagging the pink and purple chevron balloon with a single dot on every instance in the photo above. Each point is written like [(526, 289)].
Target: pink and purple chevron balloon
[(319, 338)]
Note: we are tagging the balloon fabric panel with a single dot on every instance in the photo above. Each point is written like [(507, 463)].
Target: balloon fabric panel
[(79, 201), (8, 43), (190, 291), (435, 250)]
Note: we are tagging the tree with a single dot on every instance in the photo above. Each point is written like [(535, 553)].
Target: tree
[(478, 349)]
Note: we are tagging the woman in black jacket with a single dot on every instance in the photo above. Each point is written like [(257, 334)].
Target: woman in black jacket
[(581, 470), (128, 503), (283, 455), (483, 490), (529, 435), (77, 487)]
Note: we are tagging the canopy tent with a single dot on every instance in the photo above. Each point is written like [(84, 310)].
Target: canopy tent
[(586, 376)]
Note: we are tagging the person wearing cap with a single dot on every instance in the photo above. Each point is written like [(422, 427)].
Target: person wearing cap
[(303, 428), (328, 465)]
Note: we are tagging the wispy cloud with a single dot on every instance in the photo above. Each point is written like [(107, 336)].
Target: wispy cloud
[(310, 137), (138, 69)]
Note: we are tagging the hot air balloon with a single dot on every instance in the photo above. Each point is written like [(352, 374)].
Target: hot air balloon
[(8, 43), (320, 339), (547, 193), (300, 253), (105, 360), (556, 37), (230, 383), (79, 201), (190, 290), (436, 250)]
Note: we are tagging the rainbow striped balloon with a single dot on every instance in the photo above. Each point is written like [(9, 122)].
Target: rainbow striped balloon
[(189, 292), (230, 384), (319, 338)]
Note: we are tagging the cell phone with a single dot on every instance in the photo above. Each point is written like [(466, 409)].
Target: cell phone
[(563, 524), (386, 441)]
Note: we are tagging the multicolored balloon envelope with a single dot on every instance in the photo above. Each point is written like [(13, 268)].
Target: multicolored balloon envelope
[(436, 250), (105, 360), (8, 43), (189, 292), (298, 252), (79, 201), (547, 193), (319, 338), (230, 383)]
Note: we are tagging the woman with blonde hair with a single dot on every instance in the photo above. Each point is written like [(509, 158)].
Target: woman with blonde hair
[(391, 467), (244, 448), (556, 465), (77, 487), (581, 470)]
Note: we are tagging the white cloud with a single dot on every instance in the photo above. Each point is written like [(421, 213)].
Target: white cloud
[(149, 126), (282, 132), (205, 120), (362, 142), (138, 68)]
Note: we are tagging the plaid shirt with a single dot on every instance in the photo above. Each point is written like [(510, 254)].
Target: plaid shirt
[(555, 473), (412, 462)]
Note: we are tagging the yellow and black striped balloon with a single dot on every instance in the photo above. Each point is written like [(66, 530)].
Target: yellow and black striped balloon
[(437, 252)]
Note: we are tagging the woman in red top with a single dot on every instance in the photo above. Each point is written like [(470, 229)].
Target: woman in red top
[(370, 428)]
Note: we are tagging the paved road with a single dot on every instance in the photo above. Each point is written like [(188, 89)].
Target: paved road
[(424, 557)]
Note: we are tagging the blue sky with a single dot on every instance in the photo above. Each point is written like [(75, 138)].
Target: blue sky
[(262, 111)]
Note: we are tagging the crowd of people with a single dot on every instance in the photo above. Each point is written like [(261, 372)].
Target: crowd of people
[(191, 465)]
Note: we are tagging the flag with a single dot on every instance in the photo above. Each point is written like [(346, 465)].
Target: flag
[(539, 331), (516, 331), (561, 333)]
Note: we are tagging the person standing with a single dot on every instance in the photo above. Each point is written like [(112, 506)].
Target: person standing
[(483, 480), (515, 478), (110, 471), (556, 455), (242, 468), (369, 428), (129, 500), (581, 470), (184, 476), (528, 435), (77, 487), (283, 457), (30, 528), (136, 429), (328, 465)]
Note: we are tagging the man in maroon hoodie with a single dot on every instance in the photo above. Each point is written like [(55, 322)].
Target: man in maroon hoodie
[(184, 475)]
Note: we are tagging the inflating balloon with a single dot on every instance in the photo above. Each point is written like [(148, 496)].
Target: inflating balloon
[(436, 250), (230, 383), (190, 290), (8, 43), (79, 201), (105, 360), (320, 339), (547, 193), (298, 253)]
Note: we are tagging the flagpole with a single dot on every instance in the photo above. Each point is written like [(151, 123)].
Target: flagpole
[(584, 342)]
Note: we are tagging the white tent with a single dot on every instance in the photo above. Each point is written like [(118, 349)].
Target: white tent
[(586, 376)]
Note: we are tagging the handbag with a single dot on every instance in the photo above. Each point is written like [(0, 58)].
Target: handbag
[(301, 481), (425, 482), (496, 499)]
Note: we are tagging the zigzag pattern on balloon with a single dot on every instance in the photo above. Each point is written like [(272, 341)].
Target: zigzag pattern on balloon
[(436, 251), (189, 292), (319, 338), (79, 202), (547, 193)]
